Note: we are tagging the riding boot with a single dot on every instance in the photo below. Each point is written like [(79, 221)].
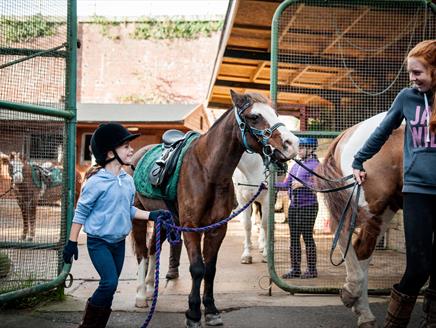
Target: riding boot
[(173, 270), (295, 271), (95, 316), (429, 308), (399, 309), (311, 271)]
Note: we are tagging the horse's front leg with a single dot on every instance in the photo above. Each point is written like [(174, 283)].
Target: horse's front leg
[(32, 217), (212, 243), (355, 290), (246, 257), (25, 216), (197, 269), (263, 246), (145, 281)]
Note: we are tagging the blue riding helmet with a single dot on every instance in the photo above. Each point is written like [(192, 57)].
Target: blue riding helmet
[(308, 142)]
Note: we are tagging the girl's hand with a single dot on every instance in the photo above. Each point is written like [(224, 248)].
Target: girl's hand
[(152, 216), (359, 175)]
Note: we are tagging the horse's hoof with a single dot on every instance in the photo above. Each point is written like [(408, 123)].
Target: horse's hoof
[(264, 259), (29, 238), (247, 259), (141, 303), (213, 320), (192, 324), (347, 298), (23, 237), (369, 324)]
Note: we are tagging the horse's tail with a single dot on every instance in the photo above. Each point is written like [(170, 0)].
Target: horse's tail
[(334, 201)]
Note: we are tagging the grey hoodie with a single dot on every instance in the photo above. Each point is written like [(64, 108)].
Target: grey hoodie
[(419, 159)]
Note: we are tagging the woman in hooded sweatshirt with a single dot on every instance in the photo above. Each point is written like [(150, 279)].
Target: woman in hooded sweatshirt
[(415, 105)]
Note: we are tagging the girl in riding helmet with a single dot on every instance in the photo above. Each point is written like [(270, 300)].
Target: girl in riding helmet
[(415, 105), (105, 210), (303, 209)]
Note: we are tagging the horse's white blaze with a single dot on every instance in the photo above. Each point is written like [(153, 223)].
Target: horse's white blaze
[(271, 117)]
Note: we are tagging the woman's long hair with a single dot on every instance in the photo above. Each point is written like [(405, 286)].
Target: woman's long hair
[(425, 51)]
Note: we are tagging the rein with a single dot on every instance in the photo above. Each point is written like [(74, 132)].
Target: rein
[(356, 190), (173, 237)]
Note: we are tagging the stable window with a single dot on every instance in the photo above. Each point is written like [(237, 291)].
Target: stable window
[(86, 155), (45, 147)]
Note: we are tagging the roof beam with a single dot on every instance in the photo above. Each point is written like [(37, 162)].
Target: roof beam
[(307, 59), (289, 89), (259, 69)]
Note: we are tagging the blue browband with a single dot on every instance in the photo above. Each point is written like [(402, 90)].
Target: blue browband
[(262, 136)]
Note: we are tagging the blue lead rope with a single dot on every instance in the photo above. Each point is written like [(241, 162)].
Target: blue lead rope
[(173, 236)]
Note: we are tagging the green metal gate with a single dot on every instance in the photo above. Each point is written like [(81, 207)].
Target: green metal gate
[(341, 62), (38, 41)]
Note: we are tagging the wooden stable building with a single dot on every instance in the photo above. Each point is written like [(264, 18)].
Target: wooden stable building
[(150, 120)]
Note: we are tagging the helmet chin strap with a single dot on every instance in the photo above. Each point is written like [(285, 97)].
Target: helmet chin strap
[(116, 157)]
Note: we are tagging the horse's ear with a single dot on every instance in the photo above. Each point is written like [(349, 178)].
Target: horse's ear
[(238, 99)]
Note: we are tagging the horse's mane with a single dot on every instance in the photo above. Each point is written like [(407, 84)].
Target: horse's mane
[(329, 168)]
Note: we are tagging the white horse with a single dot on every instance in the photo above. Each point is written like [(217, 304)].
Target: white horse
[(246, 178), (250, 170), (380, 199)]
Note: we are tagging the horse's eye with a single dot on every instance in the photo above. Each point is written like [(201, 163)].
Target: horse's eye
[(253, 117)]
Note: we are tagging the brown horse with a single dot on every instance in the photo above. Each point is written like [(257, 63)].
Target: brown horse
[(381, 198), (28, 194), (205, 192)]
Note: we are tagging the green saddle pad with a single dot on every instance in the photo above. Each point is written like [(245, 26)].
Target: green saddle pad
[(51, 177), (145, 164)]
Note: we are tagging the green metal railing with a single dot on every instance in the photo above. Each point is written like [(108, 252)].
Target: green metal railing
[(27, 111), (365, 61)]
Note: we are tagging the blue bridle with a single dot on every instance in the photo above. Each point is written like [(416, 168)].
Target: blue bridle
[(262, 136)]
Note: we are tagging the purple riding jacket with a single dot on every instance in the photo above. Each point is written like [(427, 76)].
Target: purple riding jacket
[(300, 197)]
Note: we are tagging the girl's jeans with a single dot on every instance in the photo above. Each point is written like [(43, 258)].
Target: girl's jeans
[(108, 260)]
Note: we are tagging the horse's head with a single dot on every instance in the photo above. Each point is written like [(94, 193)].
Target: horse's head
[(16, 168), (261, 129)]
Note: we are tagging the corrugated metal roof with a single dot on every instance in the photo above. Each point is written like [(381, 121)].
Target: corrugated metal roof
[(133, 112)]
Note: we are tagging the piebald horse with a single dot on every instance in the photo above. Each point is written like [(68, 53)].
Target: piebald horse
[(205, 191), (249, 174), (380, 199)]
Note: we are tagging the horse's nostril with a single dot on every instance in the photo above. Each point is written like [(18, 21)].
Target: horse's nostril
[(287, 144)]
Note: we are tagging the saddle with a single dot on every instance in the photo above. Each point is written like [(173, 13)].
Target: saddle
[(46, 176), (172, 145)]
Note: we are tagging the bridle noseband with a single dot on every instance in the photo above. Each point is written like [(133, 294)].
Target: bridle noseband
[(261, 136)]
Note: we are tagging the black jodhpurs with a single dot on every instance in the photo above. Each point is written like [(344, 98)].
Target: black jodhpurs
[(419, 215), (301, 221)]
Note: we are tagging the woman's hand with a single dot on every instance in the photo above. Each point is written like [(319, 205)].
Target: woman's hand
[(296, 184), (359, 175)]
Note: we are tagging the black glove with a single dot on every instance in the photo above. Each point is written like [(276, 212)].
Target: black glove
[(70, 249), (154, 214)]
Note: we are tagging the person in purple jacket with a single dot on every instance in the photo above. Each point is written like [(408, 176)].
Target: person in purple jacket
[(303, 209)]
